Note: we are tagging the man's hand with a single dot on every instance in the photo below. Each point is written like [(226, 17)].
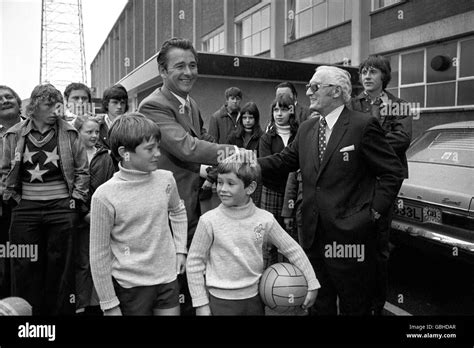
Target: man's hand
[(288, 223), (310, 299), (180, 263), (203, 310), (116, 311)]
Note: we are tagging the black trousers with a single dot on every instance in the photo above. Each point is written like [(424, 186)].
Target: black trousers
[(48, 282), (348, 279), (384, 225)]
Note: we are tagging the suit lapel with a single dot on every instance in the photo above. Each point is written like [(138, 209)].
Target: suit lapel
[(314, 145), (337, 133), (181, 116), (195, 117)]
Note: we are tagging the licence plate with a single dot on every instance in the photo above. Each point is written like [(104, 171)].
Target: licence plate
[(409, 211), (431, 215)]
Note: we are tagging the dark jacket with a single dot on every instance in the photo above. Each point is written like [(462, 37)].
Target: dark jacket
[(101, 169), (222, 125), (184, 146), (360, 171), (271, 143), (73, 163), (251, 144), (301, 113), (397, 127)]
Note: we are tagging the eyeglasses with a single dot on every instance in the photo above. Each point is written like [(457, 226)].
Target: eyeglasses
[(316, 86)]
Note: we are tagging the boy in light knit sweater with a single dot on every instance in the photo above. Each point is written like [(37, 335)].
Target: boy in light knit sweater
[(134, 257), (227, 247)]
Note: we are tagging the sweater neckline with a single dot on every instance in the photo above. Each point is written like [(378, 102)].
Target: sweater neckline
[(282, 129), (240, 212), (132, 174)]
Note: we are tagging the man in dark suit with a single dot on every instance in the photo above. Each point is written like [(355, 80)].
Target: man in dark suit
[(341, 155), (185, 144)]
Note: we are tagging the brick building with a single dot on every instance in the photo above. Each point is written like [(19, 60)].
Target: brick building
[(429, 42)]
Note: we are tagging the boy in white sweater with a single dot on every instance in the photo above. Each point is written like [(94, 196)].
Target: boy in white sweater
[(134, 256), (227, 247)]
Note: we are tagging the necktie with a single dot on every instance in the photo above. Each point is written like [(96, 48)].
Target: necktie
[(322, 138), (189, 113)]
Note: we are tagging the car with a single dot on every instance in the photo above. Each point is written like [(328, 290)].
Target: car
[(435, 205)]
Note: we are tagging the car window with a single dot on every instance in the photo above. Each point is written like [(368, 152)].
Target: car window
[(444, 146)]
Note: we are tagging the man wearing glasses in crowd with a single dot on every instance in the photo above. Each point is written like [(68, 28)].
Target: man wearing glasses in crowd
[(351, 176)]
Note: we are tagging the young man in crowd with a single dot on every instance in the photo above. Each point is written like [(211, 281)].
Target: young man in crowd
[(46, 180), (78, 101)]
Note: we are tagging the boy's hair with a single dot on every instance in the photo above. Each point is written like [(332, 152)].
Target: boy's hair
[(17, 97), (43, 93), (74, 86), (130, 130), (381, 63), (81, 119), (175, 42), (233, 92), (252, 109), (289, 85), (115, 92), (246, 169), (284, 100)]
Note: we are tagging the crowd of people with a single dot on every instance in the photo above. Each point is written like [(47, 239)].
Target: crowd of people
[(112, 200)]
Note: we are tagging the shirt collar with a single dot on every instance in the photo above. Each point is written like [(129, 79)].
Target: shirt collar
[(181, 99), (108, 121), (333, 116), (31, 126), (383, 96)]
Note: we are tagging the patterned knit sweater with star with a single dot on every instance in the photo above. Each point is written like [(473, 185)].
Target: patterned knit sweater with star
[(40, 173), (227, 247)]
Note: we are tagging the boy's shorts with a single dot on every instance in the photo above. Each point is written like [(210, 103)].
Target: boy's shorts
[(142, 300), (248, 306)]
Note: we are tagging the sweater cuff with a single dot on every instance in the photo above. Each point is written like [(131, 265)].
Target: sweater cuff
[(313, 284), (201, 301), (114, 302)]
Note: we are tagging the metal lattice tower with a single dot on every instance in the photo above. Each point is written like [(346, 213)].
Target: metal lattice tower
[(62, 43)]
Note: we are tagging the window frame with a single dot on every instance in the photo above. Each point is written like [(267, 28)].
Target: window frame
[(212, 35), (383, 8), (425, 84), (326, 27), (238, 40)]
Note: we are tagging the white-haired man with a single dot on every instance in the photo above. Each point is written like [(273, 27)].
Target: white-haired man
[(341, 155)]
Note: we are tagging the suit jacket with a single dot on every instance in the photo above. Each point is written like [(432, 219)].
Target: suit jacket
[(185, 145), (341, 191), (397, 127)]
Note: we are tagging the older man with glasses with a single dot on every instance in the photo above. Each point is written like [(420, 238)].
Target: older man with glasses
[(350, 177)]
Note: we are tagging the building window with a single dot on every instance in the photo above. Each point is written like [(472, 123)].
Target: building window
[(253, 33), (378, 4), (416, 79), (311, 16), (214, 43)]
